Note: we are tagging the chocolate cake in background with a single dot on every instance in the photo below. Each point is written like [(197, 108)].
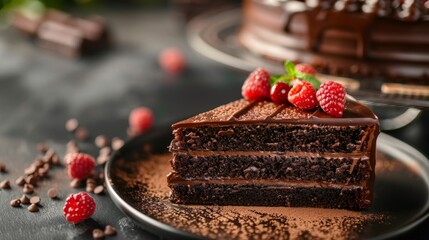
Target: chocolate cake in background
[(383, 39), (62, 33), (261, 153)]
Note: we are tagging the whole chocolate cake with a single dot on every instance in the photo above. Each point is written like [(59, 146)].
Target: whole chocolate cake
[(384, 39), (262, 153)]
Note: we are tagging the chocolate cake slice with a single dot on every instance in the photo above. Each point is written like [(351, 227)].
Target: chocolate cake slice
[(261, 153)]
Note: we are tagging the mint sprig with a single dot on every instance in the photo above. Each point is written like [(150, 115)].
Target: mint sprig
[(292, 74)]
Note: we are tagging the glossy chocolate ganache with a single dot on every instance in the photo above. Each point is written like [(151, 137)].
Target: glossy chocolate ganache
[(261, 153), (385, 39)]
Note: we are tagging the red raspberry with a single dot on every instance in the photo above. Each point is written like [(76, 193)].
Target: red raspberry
[(303, 95), (78, 207), (257, 85), (172, 61), (332, 98), (279, 92), (140, 120), (79, 165), (305, 68)]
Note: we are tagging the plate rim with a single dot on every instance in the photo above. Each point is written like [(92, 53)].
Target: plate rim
[(162, 229)]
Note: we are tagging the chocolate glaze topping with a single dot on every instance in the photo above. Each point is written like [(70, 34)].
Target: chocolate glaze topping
[(243, 111)]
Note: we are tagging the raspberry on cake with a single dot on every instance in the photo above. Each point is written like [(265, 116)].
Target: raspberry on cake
[(258, 152)]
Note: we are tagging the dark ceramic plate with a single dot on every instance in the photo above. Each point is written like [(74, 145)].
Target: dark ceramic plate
[(136, 181)]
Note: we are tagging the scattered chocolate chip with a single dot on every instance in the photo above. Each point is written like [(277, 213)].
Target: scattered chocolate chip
[(117, 143), (90, 181), (82, 134), (53, 193), (102, 159), (28, 188), (38, 162), (35, 200), (32, 180), (20, 181), (2, 167), (97, 233), (105, 151), (49, 155), (90, 187), (101, 141), (24, 199), (109, 231), (99, 189), (72, 124), (75, 183), (72, 147), (30, 170), (56, 160), (42, 148), (15, 203), (5, 184), (33, 208)]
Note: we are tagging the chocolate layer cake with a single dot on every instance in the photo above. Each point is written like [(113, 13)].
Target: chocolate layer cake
[(383, 39), (261, 153)]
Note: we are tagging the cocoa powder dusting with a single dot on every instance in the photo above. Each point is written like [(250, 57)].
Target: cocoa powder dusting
[(144, 185)]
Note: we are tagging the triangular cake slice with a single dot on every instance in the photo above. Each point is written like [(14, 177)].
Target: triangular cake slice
[(261, 153)]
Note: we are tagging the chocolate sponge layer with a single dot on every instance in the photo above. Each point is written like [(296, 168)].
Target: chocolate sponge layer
[(269, 195), (272, 137), (332, 170)]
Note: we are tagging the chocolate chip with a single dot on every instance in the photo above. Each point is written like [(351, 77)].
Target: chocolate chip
[(72, 147), (97, 233), (49, 155), (2, 167), (20, 181), (35, 200), (101, 141), (33, 208), (90, 181), (42, 148), (15, 203), (117, 143), (28, 188), (90, 187), (75, 183), (109, 231), (82, 134), (24, 199), (102, 159), (72, 124), (5, 184), (99, 189), (32, 180), (56, 160), (53, 193), (30, 170)]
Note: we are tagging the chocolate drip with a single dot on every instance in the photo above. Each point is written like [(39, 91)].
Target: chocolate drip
[(326, 19)]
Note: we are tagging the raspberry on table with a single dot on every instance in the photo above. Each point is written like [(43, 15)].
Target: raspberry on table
[(78, 207), (303, 95), (79, 165), (257, 85), (172, 61), (305, 68), (279, 92), (141, 119), (332, 98)]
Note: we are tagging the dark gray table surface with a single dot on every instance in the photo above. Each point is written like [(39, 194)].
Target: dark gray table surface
[(39, 91)]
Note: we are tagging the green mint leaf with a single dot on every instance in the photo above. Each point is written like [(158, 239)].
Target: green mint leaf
[(309, 78), (280, 78), (290, 69)]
